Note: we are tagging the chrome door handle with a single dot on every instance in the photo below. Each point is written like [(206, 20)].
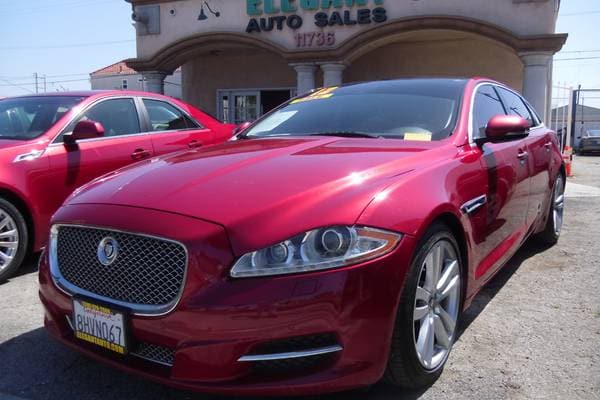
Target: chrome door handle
[(194, 144), (140, 154), (523, 155), (548, 146)]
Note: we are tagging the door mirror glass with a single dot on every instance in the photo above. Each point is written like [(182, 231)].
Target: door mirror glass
[(85, 130), (506, 127)]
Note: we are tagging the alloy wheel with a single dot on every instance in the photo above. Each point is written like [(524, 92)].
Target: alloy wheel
[(559, 204), (437, 303), (9, 240)]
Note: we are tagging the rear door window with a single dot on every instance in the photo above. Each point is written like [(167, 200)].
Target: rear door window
[(165, 117), (515, 105)]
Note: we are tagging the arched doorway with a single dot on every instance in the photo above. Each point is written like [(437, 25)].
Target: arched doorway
[(439, 53)]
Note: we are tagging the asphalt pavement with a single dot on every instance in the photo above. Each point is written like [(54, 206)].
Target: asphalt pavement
[(532, 333)]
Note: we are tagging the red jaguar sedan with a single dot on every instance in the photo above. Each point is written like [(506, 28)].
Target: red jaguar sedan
[(51, 144), (332, 244)]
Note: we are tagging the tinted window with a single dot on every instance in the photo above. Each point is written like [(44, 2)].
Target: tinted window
[(117, 116), (393, 109), (515, 106), (536, 118), (487, 105), (29, 117), (165, 117)]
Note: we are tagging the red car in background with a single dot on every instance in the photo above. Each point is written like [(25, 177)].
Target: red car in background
[(53, 143)]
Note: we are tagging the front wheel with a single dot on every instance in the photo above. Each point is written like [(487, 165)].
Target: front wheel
[(428, 313), (13, 239)]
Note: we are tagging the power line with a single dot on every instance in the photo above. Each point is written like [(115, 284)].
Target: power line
[(15, 85), (47, 76), (46, 7), (36, 83), (577, 59), (66, 46), (579, 13), (579, 51)]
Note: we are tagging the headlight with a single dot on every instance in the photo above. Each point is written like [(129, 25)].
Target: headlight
[(316, 250)]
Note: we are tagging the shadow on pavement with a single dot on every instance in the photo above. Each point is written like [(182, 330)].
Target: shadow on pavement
[(30, 265), (34, 366), (491, 289)]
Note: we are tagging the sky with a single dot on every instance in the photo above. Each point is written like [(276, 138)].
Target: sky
[(65, 40)]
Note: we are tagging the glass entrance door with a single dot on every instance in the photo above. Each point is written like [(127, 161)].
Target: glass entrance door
[(238, 107)]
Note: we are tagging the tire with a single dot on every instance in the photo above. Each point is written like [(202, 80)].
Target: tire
[(13, 229), (407, 366), (554, 219)]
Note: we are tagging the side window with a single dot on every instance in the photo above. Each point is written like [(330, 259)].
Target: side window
[(165, 117), (536, 118), (487, 105), (118, 117), (516, 106)]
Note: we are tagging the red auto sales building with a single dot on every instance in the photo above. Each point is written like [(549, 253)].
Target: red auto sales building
[(241, 58)]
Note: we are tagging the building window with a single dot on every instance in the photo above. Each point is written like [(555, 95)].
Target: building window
[(124, 84)]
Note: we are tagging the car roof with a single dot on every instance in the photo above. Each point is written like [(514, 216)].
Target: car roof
[(391, 84), (89, 93)]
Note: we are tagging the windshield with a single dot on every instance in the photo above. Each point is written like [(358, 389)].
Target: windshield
[(415, 109), (594, 133), (27, 118)]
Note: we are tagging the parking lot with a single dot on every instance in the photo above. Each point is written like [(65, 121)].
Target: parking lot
[(534, 331)]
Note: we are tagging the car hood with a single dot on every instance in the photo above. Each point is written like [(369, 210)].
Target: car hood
[(264, 190)]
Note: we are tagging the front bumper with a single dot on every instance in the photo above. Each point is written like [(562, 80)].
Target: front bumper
[(220, 323)]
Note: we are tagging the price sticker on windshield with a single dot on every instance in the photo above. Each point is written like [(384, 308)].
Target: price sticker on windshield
[(318, 95), (419, 137)]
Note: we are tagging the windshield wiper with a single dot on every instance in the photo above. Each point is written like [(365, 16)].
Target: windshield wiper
[(348, 134)]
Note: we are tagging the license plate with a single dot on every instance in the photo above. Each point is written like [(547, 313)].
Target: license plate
[(99, 325)]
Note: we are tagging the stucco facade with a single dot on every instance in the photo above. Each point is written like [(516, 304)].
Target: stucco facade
[(266, 48)]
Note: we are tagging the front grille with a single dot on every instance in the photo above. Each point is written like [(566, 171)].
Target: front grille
[(154, 353), (147, 271)]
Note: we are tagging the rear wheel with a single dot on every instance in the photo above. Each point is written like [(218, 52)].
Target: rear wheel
[(13, 239), (428, 312), (551, 232)]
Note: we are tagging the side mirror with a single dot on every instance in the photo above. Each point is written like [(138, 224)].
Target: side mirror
[(503, 128), (84, 130), (241, 127)]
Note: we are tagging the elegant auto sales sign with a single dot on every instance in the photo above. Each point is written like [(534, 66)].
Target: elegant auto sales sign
[(283, 13), (278, 15)]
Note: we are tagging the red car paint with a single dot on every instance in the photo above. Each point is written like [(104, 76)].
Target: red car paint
[(38, 187), (241, 196)]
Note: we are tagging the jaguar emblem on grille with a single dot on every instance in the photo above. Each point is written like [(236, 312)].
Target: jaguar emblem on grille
[(108, 251)]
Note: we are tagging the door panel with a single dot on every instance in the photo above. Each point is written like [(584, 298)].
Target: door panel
[(540, 148), (72, 166), (507, 168), (539, 160), (507, 202)]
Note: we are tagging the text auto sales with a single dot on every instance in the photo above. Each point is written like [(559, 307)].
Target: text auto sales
[(322, 19)]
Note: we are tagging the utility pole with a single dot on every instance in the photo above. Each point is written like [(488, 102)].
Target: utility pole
[(35, 76), (44, 77), (575, 102)]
